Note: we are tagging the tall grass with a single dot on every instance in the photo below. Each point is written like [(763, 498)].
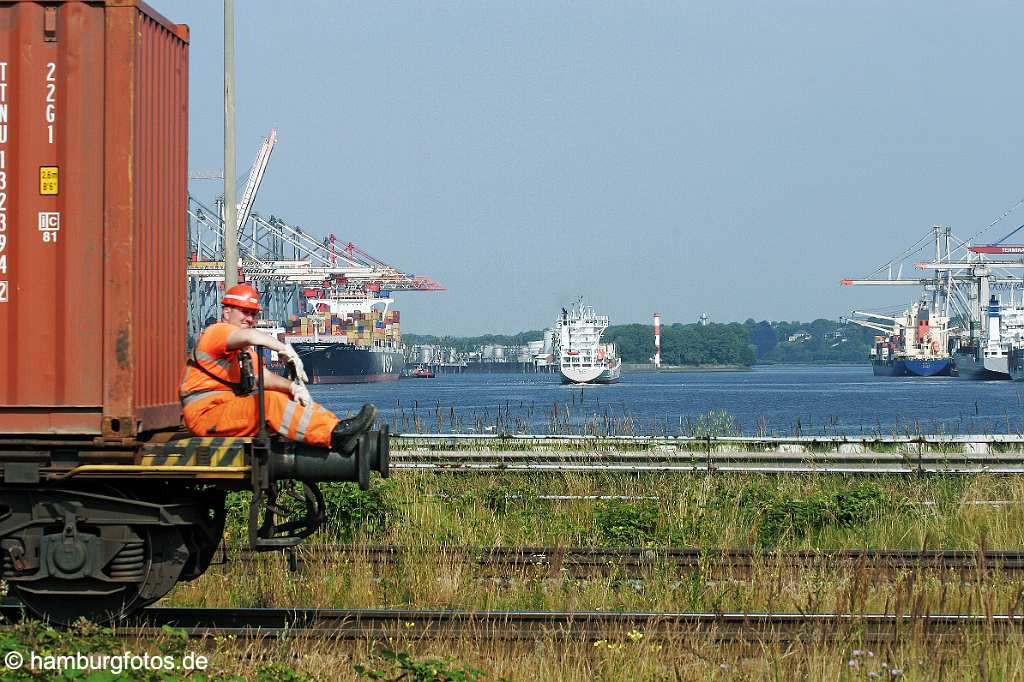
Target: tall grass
[(833, 653), (432, 512), (451, 580), (698, 510), (585, 413)]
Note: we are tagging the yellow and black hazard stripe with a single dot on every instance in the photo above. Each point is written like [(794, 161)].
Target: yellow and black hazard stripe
[(197, 458), (197, 451)]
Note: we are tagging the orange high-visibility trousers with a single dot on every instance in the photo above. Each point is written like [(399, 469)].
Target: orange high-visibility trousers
[(226, 414)]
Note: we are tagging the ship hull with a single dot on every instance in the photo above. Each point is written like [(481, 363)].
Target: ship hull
[(339, 363), (970, 367), (592, 375), (1015, 363), (932, 367), (892, 368)]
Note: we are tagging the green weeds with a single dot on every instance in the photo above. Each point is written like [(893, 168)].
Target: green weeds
[(627, 523), (714, 423), (776, 517), (402, 666), (660, 510), (351, 511), (801, 517)]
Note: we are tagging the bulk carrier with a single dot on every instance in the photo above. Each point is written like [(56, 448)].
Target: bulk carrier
[(915, 343), (345, 340)]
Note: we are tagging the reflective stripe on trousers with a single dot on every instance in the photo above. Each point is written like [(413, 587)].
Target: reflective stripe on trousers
[(305, 416), (239, 416)]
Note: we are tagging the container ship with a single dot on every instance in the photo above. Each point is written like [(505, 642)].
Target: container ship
[(915, 343), (583, 359), (348, 340)]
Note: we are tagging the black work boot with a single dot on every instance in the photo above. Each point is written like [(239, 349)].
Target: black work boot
[(346, 433)]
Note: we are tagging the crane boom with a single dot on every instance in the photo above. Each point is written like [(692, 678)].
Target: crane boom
[(997, 248), (960, 266), (866, 314), (252, 185), (886, 282), (872, 325)]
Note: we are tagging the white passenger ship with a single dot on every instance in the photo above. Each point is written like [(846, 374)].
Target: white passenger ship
[(583, 359)]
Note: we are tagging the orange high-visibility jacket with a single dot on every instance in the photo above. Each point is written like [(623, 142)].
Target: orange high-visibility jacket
[(212, 408), (213, 354)]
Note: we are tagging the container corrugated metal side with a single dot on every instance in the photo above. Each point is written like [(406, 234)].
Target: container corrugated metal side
[(93, 145)]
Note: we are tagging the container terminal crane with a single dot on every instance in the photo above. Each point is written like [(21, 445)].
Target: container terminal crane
[(329, 298), (968, 288)]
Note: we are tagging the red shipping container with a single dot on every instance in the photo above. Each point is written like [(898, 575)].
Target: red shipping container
[(93, 163)]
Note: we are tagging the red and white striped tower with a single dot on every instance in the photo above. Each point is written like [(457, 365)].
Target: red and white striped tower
[(657, 340)]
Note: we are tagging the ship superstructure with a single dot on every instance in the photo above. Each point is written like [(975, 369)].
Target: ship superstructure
[(582, 358)]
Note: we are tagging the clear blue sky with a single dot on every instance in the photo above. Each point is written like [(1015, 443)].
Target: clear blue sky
[(737, 158)]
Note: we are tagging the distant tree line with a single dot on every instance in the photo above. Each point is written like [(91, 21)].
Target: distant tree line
[(734, 343), (468, 344), (684, 344), (818, 341)]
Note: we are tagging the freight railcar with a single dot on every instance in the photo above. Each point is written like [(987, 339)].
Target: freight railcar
[(105, 502)]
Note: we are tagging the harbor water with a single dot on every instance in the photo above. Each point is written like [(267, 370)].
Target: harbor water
[(771, 400)]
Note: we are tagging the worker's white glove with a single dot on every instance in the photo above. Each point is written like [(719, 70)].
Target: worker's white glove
[(301, 394), (291, 357)]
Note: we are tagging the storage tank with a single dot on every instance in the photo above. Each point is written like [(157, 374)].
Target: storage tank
[(93, 163), (426, 355)]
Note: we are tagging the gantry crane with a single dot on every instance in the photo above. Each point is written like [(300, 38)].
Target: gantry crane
[(289, 265)]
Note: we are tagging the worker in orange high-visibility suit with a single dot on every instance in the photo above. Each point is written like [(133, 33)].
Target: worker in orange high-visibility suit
[(212, 377)]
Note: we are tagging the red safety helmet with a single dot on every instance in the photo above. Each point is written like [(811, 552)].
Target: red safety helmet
[(242, 296)]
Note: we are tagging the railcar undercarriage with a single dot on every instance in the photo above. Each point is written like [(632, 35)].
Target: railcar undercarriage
[(87, 532)]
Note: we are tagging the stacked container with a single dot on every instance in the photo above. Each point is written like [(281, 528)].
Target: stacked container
[(373, 328)]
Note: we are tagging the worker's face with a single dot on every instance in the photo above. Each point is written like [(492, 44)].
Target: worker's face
[(239, 317)]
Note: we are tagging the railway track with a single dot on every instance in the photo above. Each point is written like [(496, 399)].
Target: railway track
[(896, 455), (405, 624), (497, 461), (586, 562)]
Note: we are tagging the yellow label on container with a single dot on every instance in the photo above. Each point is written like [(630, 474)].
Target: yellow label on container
[(48, 180)]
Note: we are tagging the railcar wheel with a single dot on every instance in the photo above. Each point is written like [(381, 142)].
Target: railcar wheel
[(142, 570), (99, 553), (61, 604)]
